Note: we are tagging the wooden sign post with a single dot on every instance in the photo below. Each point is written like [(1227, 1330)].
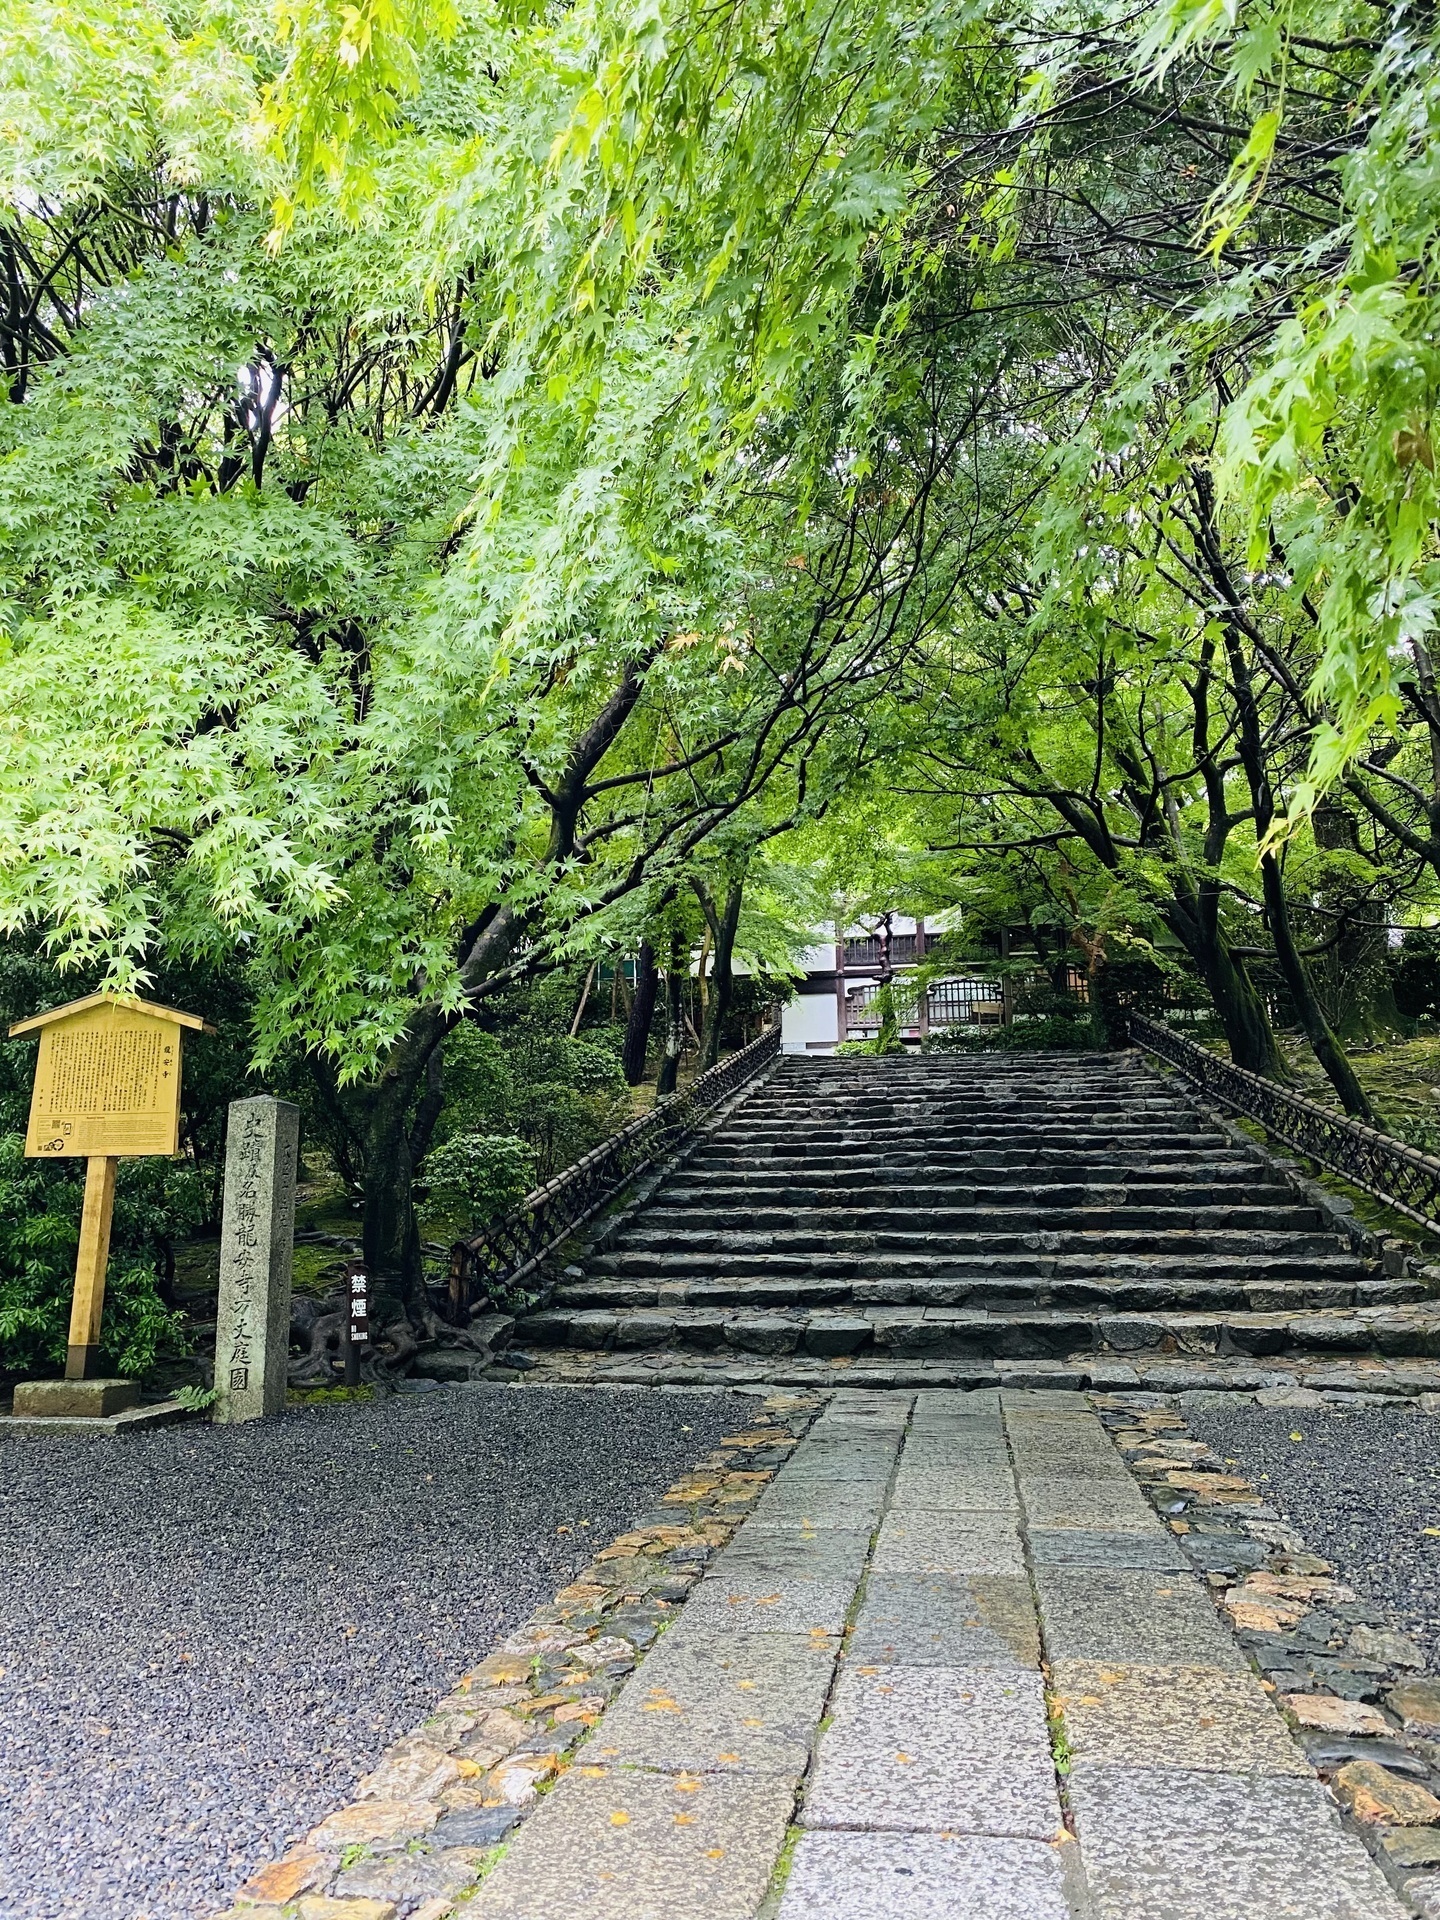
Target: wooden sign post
[(107, 1086), (355, 1327)]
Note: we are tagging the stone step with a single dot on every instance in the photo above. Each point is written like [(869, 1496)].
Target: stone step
[(760, 1218), (1014, 1097), (1342, 1380), (960, 1333), (1055, 1164), (1100, 1295), (856, 1266), (988, 1066), (842, 1192), (958, 1143), (1023, 1103), (1081, 1109), (700, 1241), (974, 1215)]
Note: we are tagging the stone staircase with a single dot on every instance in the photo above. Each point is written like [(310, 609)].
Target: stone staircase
[(969, 1219)]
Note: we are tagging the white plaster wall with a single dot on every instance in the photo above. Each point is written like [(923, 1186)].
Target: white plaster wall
[(809, 1021), (819, 959)]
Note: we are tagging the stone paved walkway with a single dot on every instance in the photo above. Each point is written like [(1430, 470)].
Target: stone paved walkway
[(851, 1721)]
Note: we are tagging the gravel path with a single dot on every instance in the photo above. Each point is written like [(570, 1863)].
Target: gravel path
[(1362, 1488), (207, 1633)]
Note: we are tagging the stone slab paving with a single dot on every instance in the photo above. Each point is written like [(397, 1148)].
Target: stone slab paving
[(425, 1824), (1010, 1700), (714, 1699), (620, 1845), (951, 1667), (1337, 1380), (934, 1750), (946, 1619), (1170, 1844), (1346, 1676), (887, 1876), (1173, 1744)]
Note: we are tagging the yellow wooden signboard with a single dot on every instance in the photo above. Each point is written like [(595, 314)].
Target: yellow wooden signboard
[(107, 1084), (107, 1080)]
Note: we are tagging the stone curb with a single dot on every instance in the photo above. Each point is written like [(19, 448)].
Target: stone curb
[(428, 1823), (1351, 1687)]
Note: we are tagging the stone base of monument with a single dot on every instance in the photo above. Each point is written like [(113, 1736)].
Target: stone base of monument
[(85, 1406), (77, 1399)]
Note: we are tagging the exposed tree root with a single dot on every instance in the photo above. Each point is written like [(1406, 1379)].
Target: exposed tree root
[(318, 1326)]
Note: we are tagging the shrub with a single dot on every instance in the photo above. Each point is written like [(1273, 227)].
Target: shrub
[(557, 1094), (1055, 1030), (155, 1201), (475, 1178)]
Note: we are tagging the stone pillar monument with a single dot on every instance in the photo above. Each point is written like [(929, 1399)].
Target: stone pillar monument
[(257, 1240)]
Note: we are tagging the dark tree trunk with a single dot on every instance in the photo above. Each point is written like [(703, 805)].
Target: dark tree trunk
[(674, 1018), (1193, 916), (1318, 1032), (642, 1012), (392, 1117), (723, 927), (1352, 979), (1250, 740), (1241, 1011), (390, 1238)]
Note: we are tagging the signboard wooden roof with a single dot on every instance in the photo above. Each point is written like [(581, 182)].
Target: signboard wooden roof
[(107, 1081), (152, 1007)]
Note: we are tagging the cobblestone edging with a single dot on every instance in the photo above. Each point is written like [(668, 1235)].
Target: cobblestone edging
[(433, 1817), (1351, 1686)]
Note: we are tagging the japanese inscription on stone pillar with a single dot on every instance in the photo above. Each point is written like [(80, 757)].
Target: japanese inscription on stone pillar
[(257, 1237)]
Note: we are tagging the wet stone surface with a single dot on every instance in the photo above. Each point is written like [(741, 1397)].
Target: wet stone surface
[(1258, 1849), (618, 1846), (877, 1876), (1340, 1664), (937, 1749), (421, 1837)]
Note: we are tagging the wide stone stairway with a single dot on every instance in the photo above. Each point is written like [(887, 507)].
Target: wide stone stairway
[(1047, 1219)]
